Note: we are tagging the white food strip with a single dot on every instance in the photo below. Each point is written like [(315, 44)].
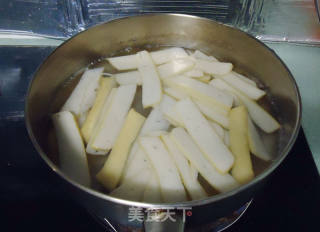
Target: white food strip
[(246, 79), (218, 129), (72, 155), (157, 133), (200, 55), (168, 54), (159, 57), (128, 78), (213, 67), (152, 193), (175, 67), (191, 151), (192, 185), (194, 73), (82, 118), (256, 144), (226, 138), (218, 110), (214, 113), (167, 107), (236, 100), (205, 137), (172, 189), (261, 117), (124, 62), (154, 122), (133, 189), (90, 150), (138, 163), (84, 94), (112, 124), (193, 170), (243, 86), (175, 93), (201, 91), (151, 85), (222, 85)]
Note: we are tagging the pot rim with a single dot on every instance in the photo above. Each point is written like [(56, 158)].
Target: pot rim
[(192, 203)]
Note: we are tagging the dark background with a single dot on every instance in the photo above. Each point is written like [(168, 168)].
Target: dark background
[(30, 199)]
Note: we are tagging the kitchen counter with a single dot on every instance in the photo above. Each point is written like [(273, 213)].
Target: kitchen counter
[(304, 63)]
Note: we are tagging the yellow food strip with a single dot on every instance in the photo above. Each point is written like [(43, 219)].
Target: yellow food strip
[(109, 176), (106, 84), (238, 123), (104, 111)]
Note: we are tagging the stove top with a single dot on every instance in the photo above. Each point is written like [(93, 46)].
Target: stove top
[(30, 199)]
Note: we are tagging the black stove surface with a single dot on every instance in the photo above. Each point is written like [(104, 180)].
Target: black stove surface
[(30, 199)]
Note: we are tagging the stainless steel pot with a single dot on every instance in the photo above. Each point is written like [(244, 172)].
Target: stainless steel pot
[(225, 42)]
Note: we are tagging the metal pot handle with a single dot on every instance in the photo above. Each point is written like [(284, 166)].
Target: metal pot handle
[(157, 224)]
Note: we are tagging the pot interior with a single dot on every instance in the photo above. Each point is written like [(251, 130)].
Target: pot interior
[(59, 74)]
